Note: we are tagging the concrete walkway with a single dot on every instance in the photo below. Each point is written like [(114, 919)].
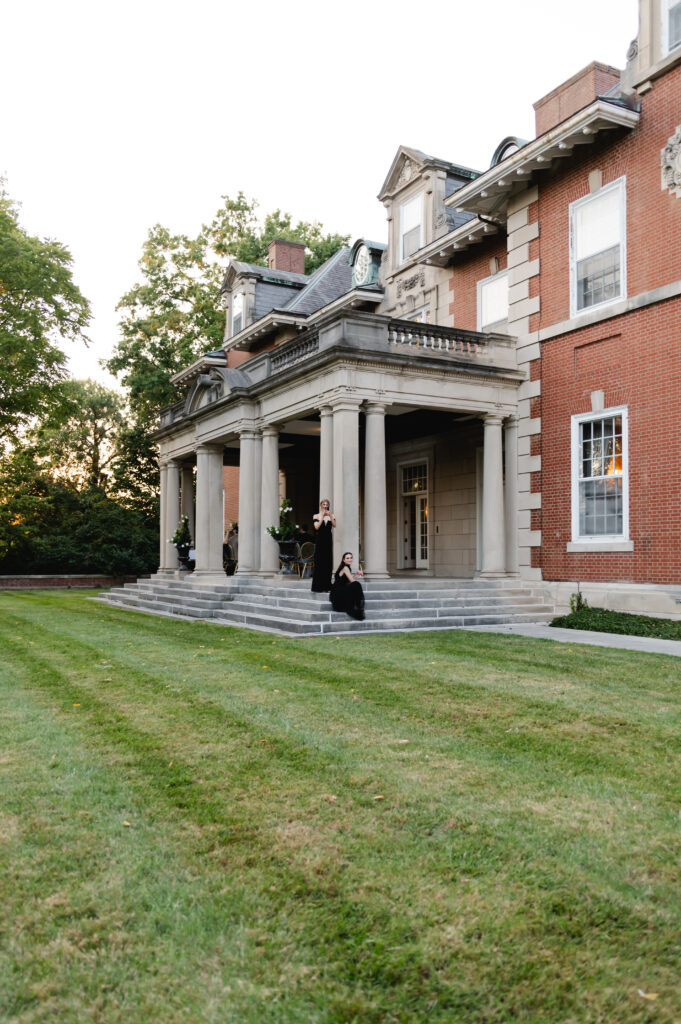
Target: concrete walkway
[(647, 644)]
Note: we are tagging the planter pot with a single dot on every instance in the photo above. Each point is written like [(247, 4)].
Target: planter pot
[(183, 556), (287, 556)]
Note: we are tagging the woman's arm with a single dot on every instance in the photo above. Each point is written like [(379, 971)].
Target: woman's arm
[(316, 520)]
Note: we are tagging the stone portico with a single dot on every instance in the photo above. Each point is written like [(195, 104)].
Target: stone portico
[(345, 405)]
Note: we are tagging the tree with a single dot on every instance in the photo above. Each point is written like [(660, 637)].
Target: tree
[(63, 507), (174, 314), (78, 437), (39, 305)]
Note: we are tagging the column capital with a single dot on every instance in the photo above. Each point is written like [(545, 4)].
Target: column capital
[(248, 430), (209, 448), (511, 421), (270, 430), (375, 408), (346, 405), (493, 419), (325, 410)]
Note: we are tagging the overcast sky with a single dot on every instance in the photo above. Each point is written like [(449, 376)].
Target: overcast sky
[(119, 116)]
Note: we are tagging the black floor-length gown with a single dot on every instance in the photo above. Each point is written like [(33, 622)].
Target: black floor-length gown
[(347, 596), (323, 559)]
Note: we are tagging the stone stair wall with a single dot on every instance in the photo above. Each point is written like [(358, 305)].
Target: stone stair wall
[(287, 605)]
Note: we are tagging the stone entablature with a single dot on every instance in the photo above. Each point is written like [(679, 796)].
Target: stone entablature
[(367, 338)]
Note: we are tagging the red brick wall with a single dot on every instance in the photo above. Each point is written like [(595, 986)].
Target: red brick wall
[(230, 483), (636, 361), (464, 280), (653, 215)]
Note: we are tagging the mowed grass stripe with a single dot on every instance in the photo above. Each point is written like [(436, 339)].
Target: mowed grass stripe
[(458, 883)]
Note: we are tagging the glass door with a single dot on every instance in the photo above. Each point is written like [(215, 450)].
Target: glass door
[(414, 515)]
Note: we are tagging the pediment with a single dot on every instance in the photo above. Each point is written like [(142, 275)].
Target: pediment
[(407, 165), (206, 389)]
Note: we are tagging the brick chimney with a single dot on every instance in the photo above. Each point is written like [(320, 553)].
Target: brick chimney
[(571, 96), (283, 255)]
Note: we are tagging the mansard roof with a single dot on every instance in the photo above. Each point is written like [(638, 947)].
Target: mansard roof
[(328, 282), (268, 274)]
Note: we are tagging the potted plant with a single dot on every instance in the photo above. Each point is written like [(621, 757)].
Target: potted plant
[(182, 539), (285, 534)]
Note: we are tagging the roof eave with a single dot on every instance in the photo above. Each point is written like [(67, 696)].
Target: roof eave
[(489, 194), (201, 365)]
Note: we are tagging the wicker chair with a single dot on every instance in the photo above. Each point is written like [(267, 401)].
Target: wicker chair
[(305, 558)]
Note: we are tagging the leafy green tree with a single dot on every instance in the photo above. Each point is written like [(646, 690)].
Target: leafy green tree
[(39, 305), (78, 437), (64, 501), (174, 315)]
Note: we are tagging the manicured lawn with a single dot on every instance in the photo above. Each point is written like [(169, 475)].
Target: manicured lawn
[(201, 824)]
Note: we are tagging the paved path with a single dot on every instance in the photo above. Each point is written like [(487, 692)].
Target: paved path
[(584, 636)]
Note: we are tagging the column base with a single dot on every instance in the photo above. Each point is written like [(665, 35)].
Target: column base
[(377, 576), (205, 575), (492, 574)]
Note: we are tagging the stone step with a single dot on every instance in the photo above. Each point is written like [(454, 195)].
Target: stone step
[(288, 606), (188, 600), (344, 624), (411, 609)]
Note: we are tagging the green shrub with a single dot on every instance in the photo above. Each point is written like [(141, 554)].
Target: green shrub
[(601, 620)]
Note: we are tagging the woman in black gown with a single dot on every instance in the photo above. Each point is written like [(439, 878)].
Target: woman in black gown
[(323, 522), (346, 593)]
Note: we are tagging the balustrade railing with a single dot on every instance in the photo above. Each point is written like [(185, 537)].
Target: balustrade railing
[(293, 351), (407, 333), (171, 413)]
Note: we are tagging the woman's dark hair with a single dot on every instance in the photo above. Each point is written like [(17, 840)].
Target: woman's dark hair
[(342, 562)]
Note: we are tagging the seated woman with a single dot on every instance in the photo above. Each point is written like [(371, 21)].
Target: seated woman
[(346, 593)]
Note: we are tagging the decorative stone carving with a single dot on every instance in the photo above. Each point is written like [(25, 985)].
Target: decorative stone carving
[(407, 173), (632, 52), (670, 160), (405, 284)]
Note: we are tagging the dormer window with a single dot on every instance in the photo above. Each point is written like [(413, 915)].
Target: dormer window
[(411, 226), (237, 312), (671, 24)]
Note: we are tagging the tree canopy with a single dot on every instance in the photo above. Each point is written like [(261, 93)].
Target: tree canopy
[(174, 315), (39, 306), (65, 505)]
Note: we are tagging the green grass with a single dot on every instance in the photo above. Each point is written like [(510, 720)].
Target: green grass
[(203, 824), (603, 621)]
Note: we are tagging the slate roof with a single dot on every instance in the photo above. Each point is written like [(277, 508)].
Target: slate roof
[(268, 274), (328, 282)]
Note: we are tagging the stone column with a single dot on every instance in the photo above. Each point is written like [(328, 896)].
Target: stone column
[(269, 500), (170, 513), (375, 541), (210, 527), (162, 502), (187, 500), (493, 529), (326, 454), (511, 493), (249, 514), (346, 478)]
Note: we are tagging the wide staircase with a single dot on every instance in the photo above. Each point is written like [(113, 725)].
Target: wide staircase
[(287, 605)]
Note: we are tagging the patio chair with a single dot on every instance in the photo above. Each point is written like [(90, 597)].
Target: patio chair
[(305, 558)]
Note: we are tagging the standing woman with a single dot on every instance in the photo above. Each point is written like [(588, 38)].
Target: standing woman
[(346, 593), (323, 522)]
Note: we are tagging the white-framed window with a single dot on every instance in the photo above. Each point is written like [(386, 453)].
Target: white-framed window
[(492, 301), (671, 25), (411, 226), (598, 247), (600, 477), (237, 312)]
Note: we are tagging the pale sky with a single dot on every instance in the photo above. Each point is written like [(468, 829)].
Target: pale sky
[(116, 117)]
